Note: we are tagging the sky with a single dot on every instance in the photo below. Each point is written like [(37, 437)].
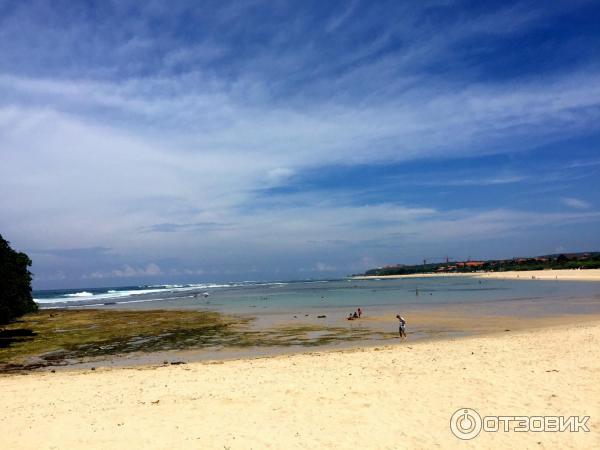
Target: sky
[(168, 142)]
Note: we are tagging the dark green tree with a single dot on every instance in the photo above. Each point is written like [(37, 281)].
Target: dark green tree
[(15, 283)]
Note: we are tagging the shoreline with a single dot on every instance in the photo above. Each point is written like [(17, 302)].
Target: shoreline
[(394, 393), (158, 359), (551, 275), (108, 340)]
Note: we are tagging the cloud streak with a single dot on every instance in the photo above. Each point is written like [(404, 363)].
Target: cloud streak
[(575, 203)]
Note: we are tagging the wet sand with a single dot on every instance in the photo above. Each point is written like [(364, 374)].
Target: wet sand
[(386, 397), (266, 334)]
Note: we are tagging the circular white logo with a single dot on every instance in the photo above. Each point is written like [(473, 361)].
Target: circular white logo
[(465, 423)]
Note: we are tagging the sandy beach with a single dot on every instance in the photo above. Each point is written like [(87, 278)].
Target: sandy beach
[(389, 397), (561, 275)]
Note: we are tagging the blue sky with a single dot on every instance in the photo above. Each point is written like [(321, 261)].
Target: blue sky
[(149, 142)]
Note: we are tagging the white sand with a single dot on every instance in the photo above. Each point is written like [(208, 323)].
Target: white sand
[(561, 274), (398, 397)]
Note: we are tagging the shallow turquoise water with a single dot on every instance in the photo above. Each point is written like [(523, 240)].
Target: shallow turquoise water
[(310, 296)]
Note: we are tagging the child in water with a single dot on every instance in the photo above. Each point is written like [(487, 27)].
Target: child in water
[(401, 327)]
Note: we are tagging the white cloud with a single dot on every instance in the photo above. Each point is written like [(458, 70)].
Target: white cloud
[(279, 175), (340, 17), (97, 183), (575, 203), (323, 267), (127, 271)]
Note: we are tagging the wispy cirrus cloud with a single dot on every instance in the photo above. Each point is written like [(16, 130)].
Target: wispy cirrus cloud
[(575, 203), (185, 227), (73, 252)]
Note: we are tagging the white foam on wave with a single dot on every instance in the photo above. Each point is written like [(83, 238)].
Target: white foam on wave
[(114, 294), (121, 303), (80, 294), (167, 286)]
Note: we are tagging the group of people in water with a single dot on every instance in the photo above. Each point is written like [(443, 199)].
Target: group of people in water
[(356, 315), (401, 321)]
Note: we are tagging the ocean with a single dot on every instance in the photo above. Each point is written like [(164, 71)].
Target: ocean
[(252, 297)]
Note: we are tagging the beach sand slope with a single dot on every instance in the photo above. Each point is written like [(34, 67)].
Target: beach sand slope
[(396, 397)]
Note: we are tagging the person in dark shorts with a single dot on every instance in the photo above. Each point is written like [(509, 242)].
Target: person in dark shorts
[(402, 325)]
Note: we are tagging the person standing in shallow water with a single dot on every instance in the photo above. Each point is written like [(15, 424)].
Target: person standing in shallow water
[(359, 312), (401, 327)]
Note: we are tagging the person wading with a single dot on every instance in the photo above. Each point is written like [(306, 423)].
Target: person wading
[(401, 327)]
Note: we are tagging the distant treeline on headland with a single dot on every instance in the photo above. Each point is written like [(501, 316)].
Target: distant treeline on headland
[(587, 260)]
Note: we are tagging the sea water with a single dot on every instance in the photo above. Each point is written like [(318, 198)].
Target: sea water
[(252, 297)]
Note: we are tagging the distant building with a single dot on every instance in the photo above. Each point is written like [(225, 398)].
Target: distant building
[(475, 264), (470, 264)]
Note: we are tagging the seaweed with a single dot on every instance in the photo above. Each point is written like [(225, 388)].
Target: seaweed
[(65, 336)]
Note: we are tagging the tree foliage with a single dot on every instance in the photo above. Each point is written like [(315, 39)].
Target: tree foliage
[(15, 283)]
